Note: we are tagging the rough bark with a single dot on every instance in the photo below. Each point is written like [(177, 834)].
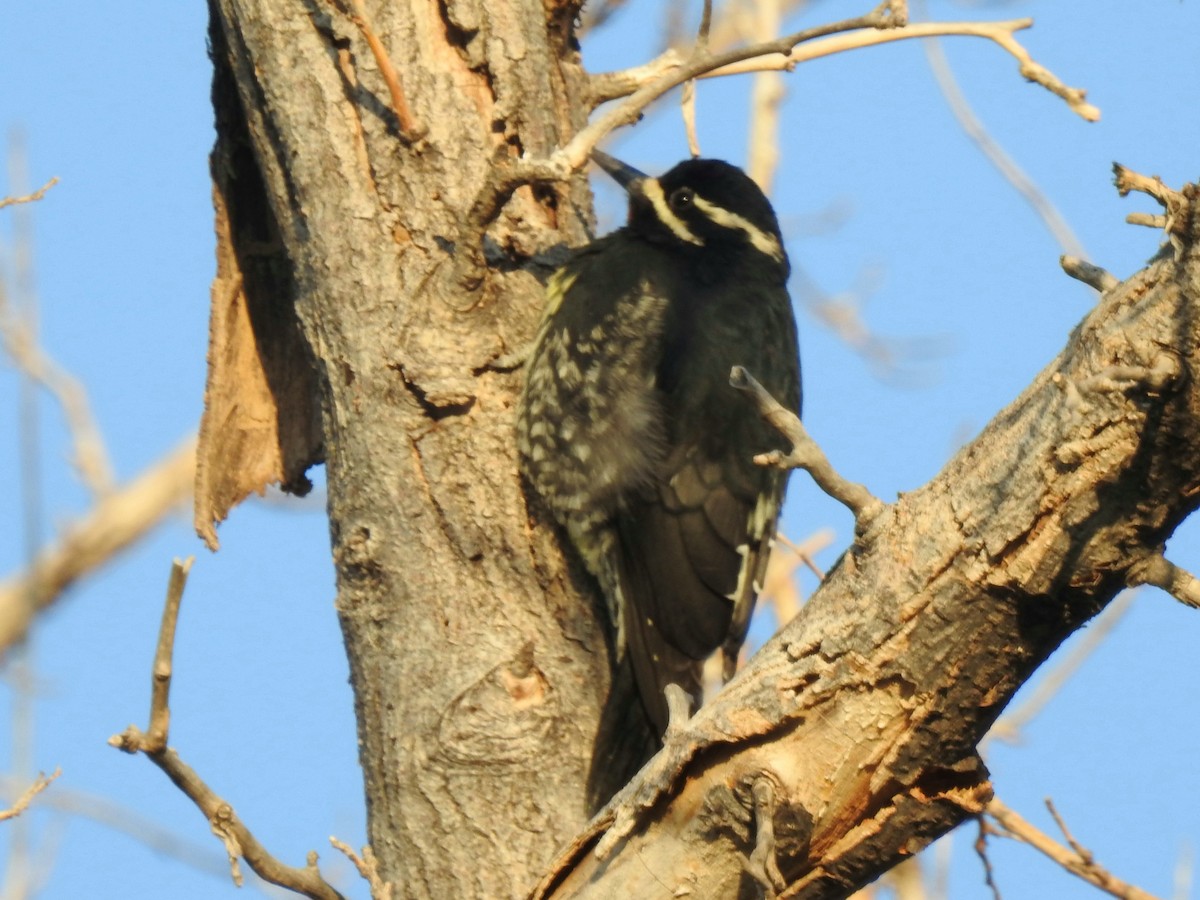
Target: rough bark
[(858, 723), (478, 660)]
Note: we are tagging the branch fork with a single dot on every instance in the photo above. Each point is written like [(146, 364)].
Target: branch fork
[(239, 842)]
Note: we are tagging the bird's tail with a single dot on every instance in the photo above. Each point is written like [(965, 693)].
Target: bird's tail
[(627, 738)]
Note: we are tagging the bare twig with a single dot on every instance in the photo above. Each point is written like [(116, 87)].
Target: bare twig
[(1074, 859), (836, 38), (113, 524), (39, 784), (368, 868), (688, 101), (766, 94), (981, 850), (1004, 164), (1128, 180), (642, 85), (668, 72), (18, 336), (29, 198), (239, 842), (1159, 572), (90, 454), (895, 359), (812, 545), (780, 590), (1089, 273), (128, 822), (805, 454), (1001, 33), (1174, 202), (1147, 220), (20, 873), (357, 14)]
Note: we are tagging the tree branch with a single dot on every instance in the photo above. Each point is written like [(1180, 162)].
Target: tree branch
[(29, 198), (116, 522), (1160, 572), (238, 840), (1075, 859), (1008, 167), (409, 129), (866, 710), (805, 453), (22, 803)]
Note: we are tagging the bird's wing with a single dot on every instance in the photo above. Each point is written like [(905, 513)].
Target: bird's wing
[(692, 552)]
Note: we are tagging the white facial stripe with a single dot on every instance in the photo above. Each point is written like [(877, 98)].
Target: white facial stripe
[(723, 217), (653, 192)]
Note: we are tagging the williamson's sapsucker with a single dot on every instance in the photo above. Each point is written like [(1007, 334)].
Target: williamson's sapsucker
[(629, 430)]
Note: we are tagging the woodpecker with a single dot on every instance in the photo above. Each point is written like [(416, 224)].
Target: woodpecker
[(628, 428)]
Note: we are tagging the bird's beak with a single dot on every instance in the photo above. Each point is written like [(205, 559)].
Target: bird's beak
[(626, 176)]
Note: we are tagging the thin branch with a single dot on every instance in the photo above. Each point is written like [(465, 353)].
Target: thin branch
[(815, 543), (805, 454), (667, 73), (1184, 871), (688, 101), (22, 803), (90, 454), (160, 686), (1147, 220), (766, 95), (29, 198), (131, 824), (1075, 859), (894, 359), (981, 850), (115, 523), (1004, 164), (18, 336), (1159, 572), (357, 14), (368, 868), (1000, 33), (1128, 180), (238, 840), (643, 85), (1089, 273), (1174, 202)]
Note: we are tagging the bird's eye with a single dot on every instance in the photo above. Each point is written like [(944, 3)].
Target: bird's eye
[(682, 198)]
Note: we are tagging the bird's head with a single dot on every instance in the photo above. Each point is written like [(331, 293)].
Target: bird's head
[(704, 204)]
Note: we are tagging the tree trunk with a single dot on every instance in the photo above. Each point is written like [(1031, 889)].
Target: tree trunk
[(477, 657)]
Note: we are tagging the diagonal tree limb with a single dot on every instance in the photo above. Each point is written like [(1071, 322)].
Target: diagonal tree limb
[(22, 802), (112, 525), (1073, 858), (867, 709)]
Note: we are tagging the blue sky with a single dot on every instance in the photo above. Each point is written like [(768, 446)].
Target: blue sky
[(113, 99)]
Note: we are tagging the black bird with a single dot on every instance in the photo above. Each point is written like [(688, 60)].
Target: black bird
[(629, 430)]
